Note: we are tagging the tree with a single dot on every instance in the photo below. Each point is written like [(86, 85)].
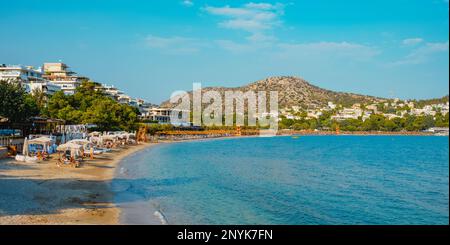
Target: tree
[(422, 123), (300, 126), (155, 128), (60, 106), (313, 124), (409, 120), (441, 120), (285, 123), (350, 125), (399, 123), (39, 97), (15, 104), (389, 125), (89, 106), (374, 123), (324, 120)]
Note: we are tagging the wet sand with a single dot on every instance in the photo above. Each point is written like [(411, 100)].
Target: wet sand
[(43, 193)]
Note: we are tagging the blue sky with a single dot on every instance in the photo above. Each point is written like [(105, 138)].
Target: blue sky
[(389, 48)]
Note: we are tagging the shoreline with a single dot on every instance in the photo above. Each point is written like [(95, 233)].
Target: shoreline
[(146, 212), (43, 193), (358, 133), (148, 215)]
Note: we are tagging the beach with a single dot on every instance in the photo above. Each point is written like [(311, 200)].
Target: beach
[(43, 193)]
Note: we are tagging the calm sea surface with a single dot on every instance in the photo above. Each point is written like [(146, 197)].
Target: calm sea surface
[(281, 180)]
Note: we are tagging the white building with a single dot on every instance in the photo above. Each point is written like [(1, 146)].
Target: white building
[(121, 97), (347, 113), (48, 88), (426, 110), (372, 107), (443, 108), (439, 130), (29, 77), (124, 99), (61, 75), (314, 114), (162, 116), (331, 105), (296, 108), (391, 116), (109, 90), (136, 102)]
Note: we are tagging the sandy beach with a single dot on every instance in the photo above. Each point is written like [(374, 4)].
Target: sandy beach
[(44, 193)]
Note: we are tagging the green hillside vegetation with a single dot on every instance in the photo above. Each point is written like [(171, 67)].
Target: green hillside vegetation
[(422, 103), (15, 104), (373, 123), (89, 106)]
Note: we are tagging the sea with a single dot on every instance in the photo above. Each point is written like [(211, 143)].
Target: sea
[(306, 180)]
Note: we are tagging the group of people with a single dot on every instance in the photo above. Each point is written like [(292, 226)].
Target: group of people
[(39, 147)]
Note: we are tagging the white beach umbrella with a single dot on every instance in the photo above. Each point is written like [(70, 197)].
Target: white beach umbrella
[(69, 146), (25, 147), (81, 142)]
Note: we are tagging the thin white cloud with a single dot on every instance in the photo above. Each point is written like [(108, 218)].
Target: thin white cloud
[(412, 41), (187, 3), (265, 6), (345, 51), (175, 44), (255, 18), (423, 54), (245, 47), (329, 50), (234, 47), (260, 19), (250, 25)]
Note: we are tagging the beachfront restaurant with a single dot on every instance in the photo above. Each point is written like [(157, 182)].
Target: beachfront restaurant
[(12, 135), (34, 125)]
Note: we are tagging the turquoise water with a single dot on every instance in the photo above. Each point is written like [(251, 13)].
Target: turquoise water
[(281, 180)]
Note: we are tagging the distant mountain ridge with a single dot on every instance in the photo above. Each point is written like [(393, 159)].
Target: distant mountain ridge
[(294, 91)]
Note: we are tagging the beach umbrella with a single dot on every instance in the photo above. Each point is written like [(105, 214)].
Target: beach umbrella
[(25, 147), (68, 146), (79, 142)]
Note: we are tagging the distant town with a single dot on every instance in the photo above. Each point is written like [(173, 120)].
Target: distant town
[(381, 115), (54, 77), (386, 115)]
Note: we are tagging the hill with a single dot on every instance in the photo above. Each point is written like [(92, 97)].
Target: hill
[(294, 91)]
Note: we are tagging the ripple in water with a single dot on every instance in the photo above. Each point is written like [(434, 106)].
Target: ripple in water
[(281, 180)]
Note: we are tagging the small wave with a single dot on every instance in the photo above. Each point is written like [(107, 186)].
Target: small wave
[(161, 217), (123, 171)]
